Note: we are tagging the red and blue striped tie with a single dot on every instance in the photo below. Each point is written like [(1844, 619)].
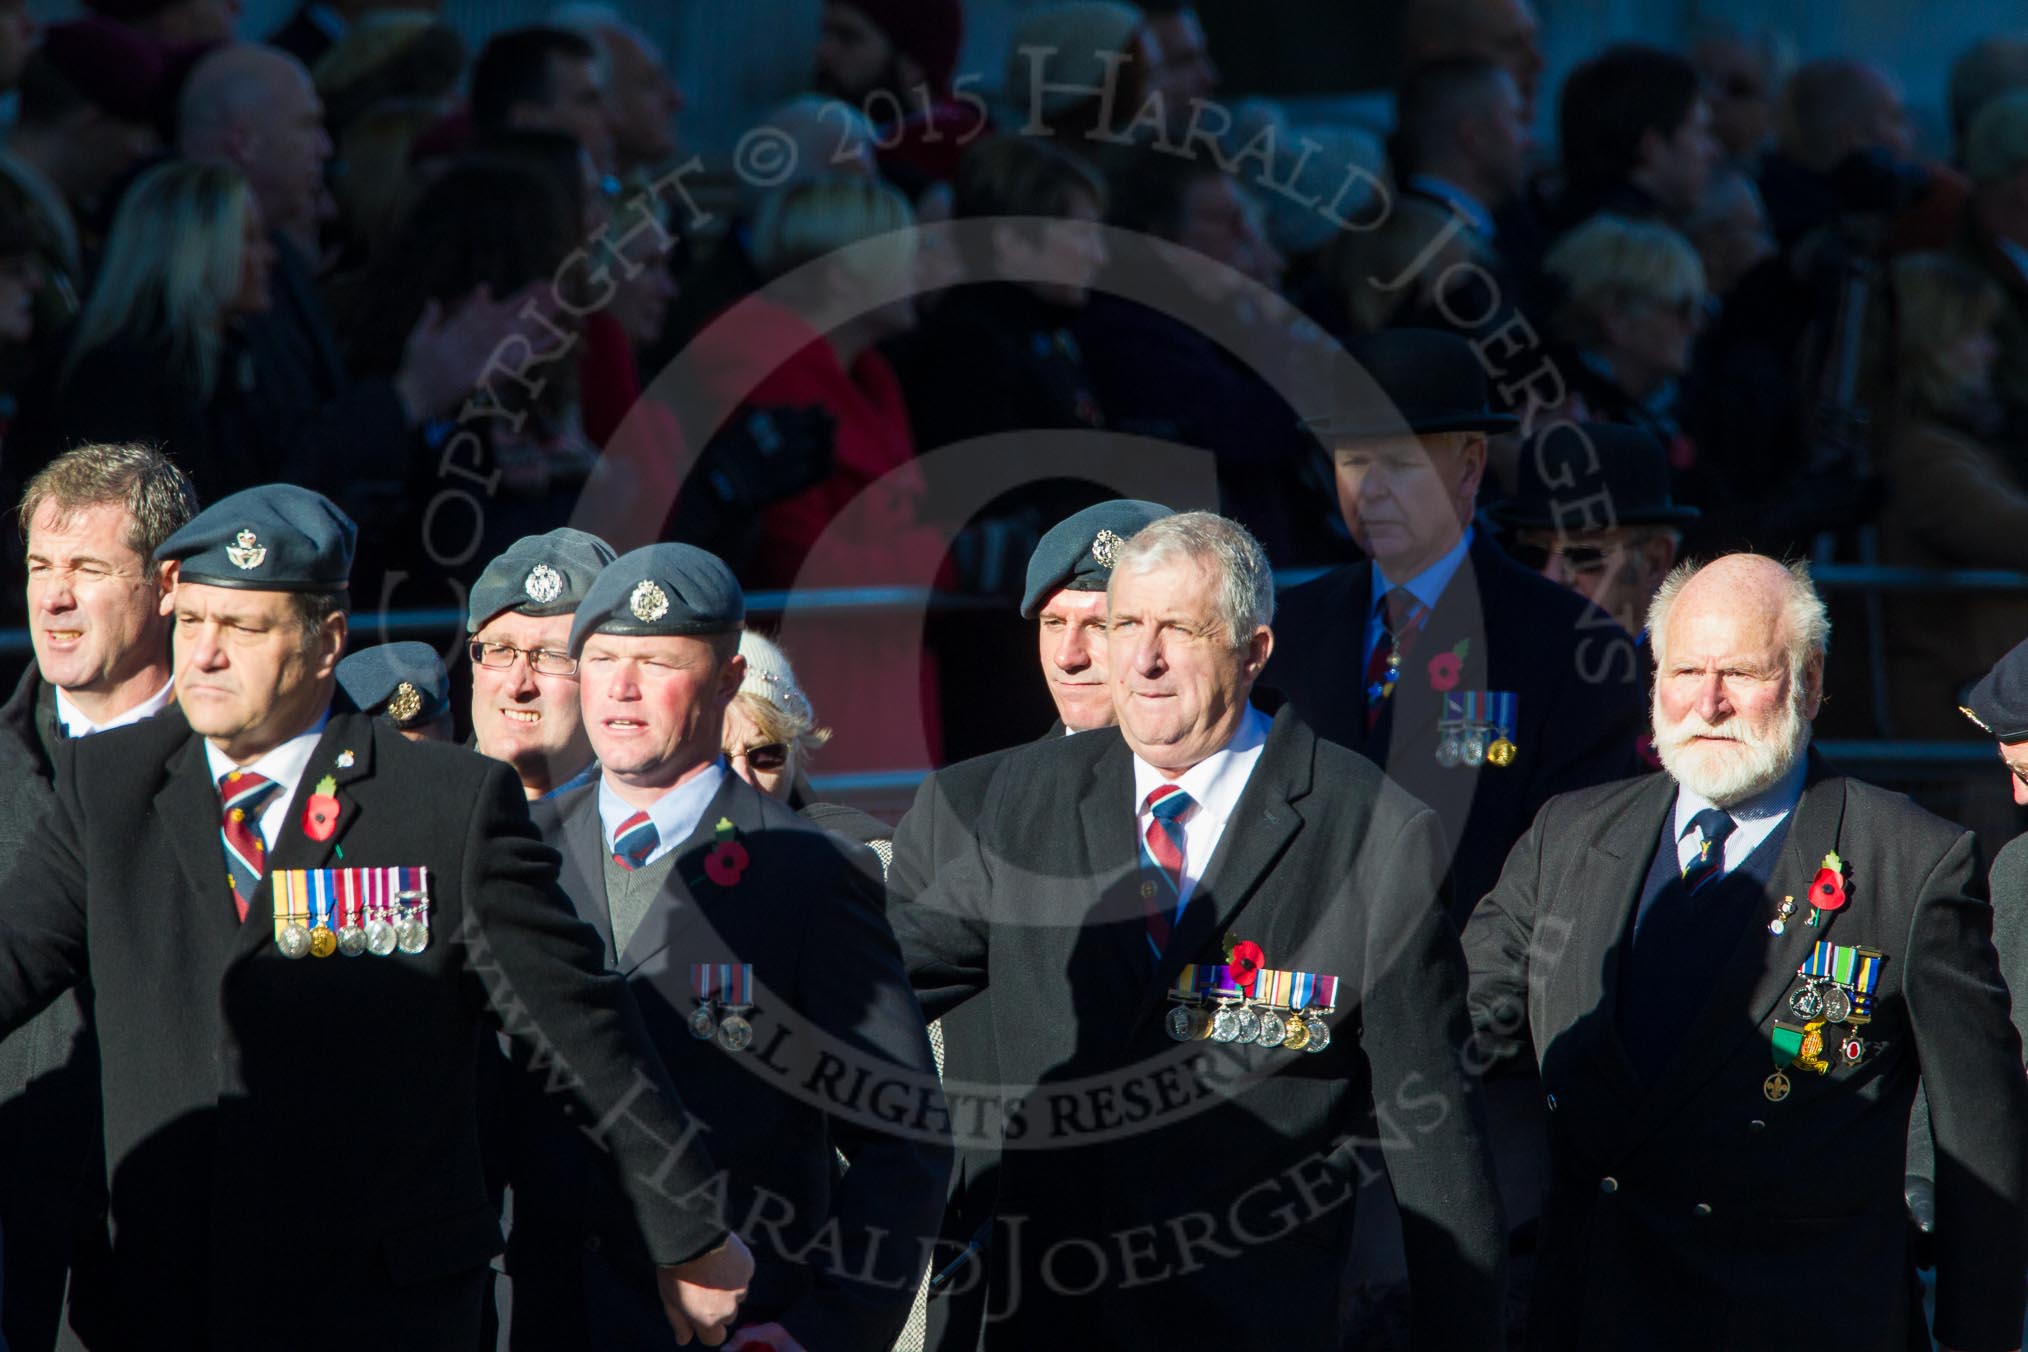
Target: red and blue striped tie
[(1162, 862), (635, 841), (241, 794)]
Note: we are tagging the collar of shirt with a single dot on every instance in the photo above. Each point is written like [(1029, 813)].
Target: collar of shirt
[(75, 724), (1426, 586), (1457, 199), (284, 765), (2017, 255), (1215, 784), (675, 814), (1754, 820)]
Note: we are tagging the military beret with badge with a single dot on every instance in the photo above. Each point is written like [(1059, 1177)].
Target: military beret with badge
[(658, 591), (539, 575), (277, 537), (1998, 701), (404, 683), (1077, 553)]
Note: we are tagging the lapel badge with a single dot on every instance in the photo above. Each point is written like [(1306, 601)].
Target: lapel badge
[(543, 584), (648, 602), (247, 551), (346, 759), (1780, 923)]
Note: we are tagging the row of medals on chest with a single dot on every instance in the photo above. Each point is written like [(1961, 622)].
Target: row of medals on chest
[(1821, 1002), (401, 923), (1237, 1020), (726, 1024)]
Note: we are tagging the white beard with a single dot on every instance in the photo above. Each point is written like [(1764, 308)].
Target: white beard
[(1730, 772)]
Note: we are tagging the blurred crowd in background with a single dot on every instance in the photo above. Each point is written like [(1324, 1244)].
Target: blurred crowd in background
[(435, 282)]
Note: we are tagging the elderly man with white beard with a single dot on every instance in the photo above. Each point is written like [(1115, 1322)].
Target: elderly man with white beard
[(1733, 975)]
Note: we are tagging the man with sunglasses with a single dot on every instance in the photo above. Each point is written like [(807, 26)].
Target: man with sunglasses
[(524, 680), (1560, 526)]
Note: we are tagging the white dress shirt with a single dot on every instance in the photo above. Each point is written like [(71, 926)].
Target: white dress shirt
[(675, 814), (284, 765), (1214, 784), (76, 724)]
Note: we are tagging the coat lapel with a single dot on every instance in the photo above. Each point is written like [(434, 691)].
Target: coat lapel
[(188, 805), (1619, 860), (679, 907), (1456, 625), (583, 874), (1112, 853), (1762, 966), (1262, 824)]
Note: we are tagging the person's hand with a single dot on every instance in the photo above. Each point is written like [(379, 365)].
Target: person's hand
[(763, 1338), (701, 1297), (446, 353)]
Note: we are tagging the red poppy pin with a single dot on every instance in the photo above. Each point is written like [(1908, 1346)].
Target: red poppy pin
[(1827, 893), (1243, 962), (1447, 669), (320, 814), (728, 858)]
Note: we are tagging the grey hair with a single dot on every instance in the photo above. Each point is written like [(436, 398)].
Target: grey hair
[(1246, 584), (1803, 614)]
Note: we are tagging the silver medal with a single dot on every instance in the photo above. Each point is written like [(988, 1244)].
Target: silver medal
[(1320, 1032), (1272, 1030), (704, 1022), (1837, 1005), (412, 935), (1807, 1003), (1449, 752), (380, 937), (351, 940), (735, 1034), (1247, 1024), (1181, 1025), (1225, 1026), (294, 941), (1475, 748)]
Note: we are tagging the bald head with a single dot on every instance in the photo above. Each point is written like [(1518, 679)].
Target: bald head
[(1833, 108), (1739, 673), (255, 108)]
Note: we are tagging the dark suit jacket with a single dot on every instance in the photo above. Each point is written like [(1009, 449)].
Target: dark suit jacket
[(839, 1058), (49, 1069), (1208, 1187), (276, 1128), (1580, 705), (1692, 1214)]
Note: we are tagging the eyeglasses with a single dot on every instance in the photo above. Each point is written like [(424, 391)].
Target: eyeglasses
[(543, 661), (771, 756)]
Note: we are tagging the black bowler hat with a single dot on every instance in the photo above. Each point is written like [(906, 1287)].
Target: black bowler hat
[(1589, 476), (1427, 380), (1998, 703)]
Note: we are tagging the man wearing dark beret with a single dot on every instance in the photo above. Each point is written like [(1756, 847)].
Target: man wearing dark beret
[(756, 948), (1065, 594), (524, 680), (405, 683), (287, 1029)]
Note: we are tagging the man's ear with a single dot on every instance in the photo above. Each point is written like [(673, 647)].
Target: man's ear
[(1471, 466), (336, 628), (1258, 649), (729, 677), (165, 580), (1813, 685)]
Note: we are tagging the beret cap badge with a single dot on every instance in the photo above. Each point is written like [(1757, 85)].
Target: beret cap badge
[(247, 552), (405, 703), (543, 584), (648, 602), (1105, 548)]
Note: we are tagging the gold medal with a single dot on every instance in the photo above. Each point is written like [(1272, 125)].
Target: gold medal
[(1813, 1045), (1501, 753), (323, 943), (1298, 1035), (1776, 1087)]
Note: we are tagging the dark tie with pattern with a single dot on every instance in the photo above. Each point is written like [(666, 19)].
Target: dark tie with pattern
[(241, 795), (1712, 827), (1401, 620)]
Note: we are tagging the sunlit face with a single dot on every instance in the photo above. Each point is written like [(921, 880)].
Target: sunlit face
[(2014, 755), (94, 604), (245, 675), (1072, 630), (654, 707), (1405, 499), (1730, 720), (761, 761), (525, 717), (1180, 683)]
